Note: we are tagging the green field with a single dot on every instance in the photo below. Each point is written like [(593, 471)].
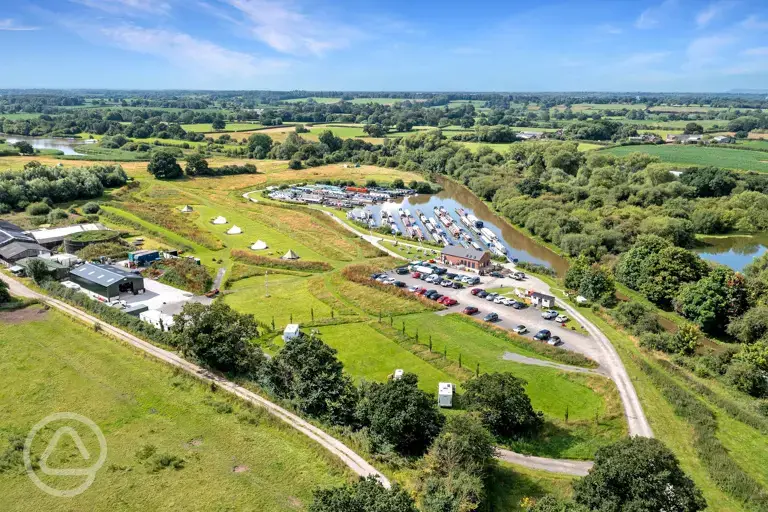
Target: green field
[(234, 457), (694, 155), (230, 127), (17, 117)]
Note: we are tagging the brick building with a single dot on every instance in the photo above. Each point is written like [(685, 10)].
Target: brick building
[(471, 259)]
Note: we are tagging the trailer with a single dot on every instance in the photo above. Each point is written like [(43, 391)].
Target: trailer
[(445, 394)]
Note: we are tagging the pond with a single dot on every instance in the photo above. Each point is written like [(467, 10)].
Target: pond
[(66, 146), (455, 197), (736, 251)]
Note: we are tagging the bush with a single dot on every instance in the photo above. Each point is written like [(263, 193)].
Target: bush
[(38, 209), (747, 378), (637, 318), (504, 407), (91, 208), (57, 214)]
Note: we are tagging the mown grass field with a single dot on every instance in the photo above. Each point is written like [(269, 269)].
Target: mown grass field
[(230, 127), (694, 155), (235, 458)]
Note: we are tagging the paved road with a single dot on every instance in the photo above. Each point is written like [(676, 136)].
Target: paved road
[(355, 462), (568, 467), (597, 346)]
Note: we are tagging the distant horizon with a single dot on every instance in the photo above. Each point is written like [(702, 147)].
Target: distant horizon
[(552, 45)]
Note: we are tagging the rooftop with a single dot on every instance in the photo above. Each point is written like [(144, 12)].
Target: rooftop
[(104, 275), (55, 234), (16, 248), (461, 252)]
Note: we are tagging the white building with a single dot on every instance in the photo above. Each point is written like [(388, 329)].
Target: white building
[(543, 300), (158, 319), (54, 236), (445, 394), (291, 331)]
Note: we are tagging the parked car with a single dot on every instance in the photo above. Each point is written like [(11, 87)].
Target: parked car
[(561, 319), (401, 270), (375, 276), (473, 280), (549, 315), (450, 302), (518, 305), (508, 302), (555, 341), (520, 329), (450, 275), (466, 279), (428, 293), (399, 284), (421, 291), (416, 275), (491, 296), (457, 286), (470, 310), (413, 289), (482, 294), (436, 296), (475, 291), (499, 300), (446, 283), (543, 335), (491, 317), (440, 270), (496, 274)]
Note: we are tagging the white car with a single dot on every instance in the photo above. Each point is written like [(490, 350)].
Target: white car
[(561, 319), (549, 315), (466, 279), (499, 300), (508, 302), (412, 288), (520, 329)]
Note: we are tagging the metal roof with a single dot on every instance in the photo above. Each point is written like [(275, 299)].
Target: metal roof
[(104, 275), (57, 234), (461, 252), (10, 233), (542, 295), (16, 248)]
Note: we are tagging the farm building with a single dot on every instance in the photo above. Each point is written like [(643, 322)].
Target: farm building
[(55, 270), (723, 139), (445, 394), (105, 281), (471, 259), (16, 251), (55, 236), (543, 300), (158, 319), (291, 331), (529, 135), (68, 260)]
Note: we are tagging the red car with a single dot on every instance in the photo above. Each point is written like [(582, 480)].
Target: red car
[(475, 291), (470, 310), (416, 275), (421, 291), (450, 302)]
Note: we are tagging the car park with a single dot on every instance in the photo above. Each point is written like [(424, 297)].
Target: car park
[(475, 291), (470, 310), (543, 335), (399, 284), (520, 329), (446, 283), (450, 302), (561, 319), (555, 341), (496, 274), (413, 289), (491, 317), (549, 315)]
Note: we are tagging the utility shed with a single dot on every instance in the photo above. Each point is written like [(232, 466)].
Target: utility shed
[(106, 281), (291, 331), (543, 300), (445, 394)]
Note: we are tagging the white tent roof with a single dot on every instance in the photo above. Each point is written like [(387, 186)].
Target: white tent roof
[(219, 220), (290, 255), (186, 208), (259, 245), (234, 230)]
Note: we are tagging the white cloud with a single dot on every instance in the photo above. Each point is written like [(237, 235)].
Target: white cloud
[(652, 16), (128, 7), (754, 23), (11, 25), (644, 59), (703, 18), (607, 28), (286, 28), (759, 52), (704, 50), (183, 50)]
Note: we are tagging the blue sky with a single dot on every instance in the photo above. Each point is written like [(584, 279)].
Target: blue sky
[(494, 45)]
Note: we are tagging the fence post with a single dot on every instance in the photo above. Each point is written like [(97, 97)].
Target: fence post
[(312, 313), (477, 370), (445, 352), (331, 313), (273, 323), (291, 319), (459, 359), (566, 414), (403, 328), (430, 343), (417, 336)]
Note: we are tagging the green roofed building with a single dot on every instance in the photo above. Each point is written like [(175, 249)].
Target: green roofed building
[(106, 281)]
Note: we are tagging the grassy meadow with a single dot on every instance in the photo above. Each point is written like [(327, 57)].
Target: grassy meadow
[(695, 155), (235, 456)]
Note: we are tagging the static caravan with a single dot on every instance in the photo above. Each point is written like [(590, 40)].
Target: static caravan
[(445, 394)]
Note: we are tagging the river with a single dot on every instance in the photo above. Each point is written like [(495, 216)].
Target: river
[(66, 146), (735, 251), (454, 196)]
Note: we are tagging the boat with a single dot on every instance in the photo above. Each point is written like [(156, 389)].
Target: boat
[(498, 245), (476, 245), (475, 221), (407, 213), (485, 240), (418, 233), (394, 228), (401, 212), (490, 235), (443, 210), (461, 212)]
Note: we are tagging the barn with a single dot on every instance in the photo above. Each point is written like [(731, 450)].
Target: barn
[(105, 281)]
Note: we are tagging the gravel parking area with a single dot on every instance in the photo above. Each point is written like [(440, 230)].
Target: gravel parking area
[(508, 316)]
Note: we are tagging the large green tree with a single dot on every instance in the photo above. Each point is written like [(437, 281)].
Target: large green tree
[(399, 414), (307, 372), (366, 495), (638, 474), (503, 405), (163, 166), (219, 337), (197, 165), (714, 299), (259, 144)]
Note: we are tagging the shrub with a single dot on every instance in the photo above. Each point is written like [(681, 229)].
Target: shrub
[(57, 214), (90, 208), (38, 209), (747, 378), (503, 405)]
